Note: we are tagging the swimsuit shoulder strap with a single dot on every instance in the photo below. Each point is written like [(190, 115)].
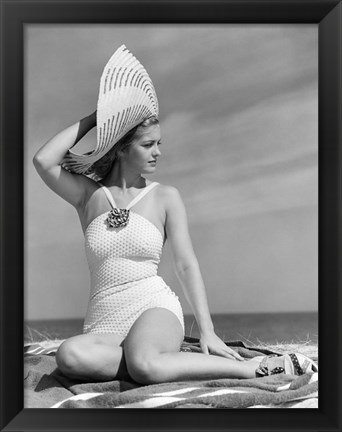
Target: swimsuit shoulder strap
[(108, 195), (146, 190)]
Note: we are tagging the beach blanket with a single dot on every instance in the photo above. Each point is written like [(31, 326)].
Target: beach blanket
[(46, 387)]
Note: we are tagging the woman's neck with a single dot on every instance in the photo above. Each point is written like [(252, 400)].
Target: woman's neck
[(124, 179)]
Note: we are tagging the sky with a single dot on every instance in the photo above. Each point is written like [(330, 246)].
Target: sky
[(239, 123)]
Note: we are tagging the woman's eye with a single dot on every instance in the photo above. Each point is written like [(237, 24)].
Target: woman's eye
[(151, 144)]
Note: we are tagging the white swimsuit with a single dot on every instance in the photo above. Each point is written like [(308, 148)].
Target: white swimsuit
[(123, 264)]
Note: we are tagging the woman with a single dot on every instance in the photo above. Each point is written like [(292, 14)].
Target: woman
[(134, 324)]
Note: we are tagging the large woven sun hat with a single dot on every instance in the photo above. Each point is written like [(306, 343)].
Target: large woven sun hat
[(126, 98)]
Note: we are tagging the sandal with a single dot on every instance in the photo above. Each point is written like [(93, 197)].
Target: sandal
[(290, 364)]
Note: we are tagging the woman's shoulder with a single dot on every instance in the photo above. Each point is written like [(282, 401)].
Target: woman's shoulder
[(91, 188), (167, 193), (167, 190)]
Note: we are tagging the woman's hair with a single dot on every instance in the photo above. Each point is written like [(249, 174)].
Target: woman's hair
[(102, 167)]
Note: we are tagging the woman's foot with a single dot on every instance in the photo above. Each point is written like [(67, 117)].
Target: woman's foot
[(290, 364)]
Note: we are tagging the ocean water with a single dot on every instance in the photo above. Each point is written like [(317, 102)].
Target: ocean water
[(249, 328)]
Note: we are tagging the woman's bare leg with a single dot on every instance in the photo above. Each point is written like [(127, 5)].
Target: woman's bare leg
[(152, 353), (92, 357)]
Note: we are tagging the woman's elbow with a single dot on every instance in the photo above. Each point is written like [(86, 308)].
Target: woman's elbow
[(40, 162), (38, 158), (37, 162), (185, 266)]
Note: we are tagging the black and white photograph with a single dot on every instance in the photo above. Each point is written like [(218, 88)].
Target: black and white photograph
[(171, 216)]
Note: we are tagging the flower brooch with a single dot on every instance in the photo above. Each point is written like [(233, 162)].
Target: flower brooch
[(117, 218)]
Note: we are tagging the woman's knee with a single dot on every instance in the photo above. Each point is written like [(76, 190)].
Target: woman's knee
[(144, 368), (70, 357)]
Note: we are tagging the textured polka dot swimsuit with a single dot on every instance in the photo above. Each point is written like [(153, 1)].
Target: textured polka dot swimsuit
[(123, 264)]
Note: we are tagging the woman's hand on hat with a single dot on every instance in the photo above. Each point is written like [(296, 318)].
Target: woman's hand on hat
[(69, 158), (212, 344)]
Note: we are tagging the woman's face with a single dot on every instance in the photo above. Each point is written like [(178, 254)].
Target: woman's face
[(143, 152)]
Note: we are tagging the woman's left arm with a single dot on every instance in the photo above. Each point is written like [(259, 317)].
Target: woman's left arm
[(189, 273)]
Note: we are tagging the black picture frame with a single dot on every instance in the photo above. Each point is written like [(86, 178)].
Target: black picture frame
[(327, 15)]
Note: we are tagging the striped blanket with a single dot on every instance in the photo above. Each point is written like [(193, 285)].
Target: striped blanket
[(46, 387)]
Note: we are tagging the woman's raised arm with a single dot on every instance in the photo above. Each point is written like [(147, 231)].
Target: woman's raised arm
[(47, 160), (188, 271)]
